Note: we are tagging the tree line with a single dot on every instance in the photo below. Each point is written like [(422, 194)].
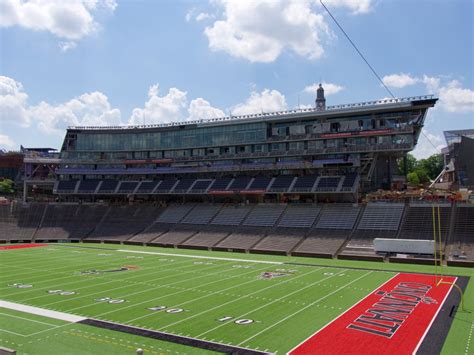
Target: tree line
[(422, 171)]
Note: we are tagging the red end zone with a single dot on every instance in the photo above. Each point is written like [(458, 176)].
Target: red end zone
[(22, 246), (393, 319)]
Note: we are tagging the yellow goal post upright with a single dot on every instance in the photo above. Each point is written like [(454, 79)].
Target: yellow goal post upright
[(438, 251)]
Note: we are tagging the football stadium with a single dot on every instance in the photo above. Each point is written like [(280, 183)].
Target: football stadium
[(263, 223), (240, 234)]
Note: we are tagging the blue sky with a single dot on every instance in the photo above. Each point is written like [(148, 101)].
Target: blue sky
[(107, 62)]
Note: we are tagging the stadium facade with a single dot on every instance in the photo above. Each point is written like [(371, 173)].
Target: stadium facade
[(321, 153)]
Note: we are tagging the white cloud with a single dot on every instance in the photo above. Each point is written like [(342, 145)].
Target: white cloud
[(7, 143), (399, 80), (201, 109), (266, 101), (260, 31), (172, 107), (203, 16), (452, 96), (90, 109), (67, 45), (161, 109), (432, 83), (455, 98), (329, 88), (424, 148), (13, 102), (70, 20), (356, 6), (190, 14)]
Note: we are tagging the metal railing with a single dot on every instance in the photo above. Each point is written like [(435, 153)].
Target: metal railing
[(265, 115)]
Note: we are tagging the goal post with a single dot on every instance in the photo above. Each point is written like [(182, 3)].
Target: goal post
[(438, 253)]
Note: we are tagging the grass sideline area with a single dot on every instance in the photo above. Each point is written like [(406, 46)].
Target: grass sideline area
[(228, 298)]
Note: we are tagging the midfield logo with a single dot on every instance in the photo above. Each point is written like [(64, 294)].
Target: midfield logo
[(98, 272), (267, 275)]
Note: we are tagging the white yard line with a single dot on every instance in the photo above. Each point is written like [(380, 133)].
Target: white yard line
[(202, 257), (244, 296), (276, 300), (304, 308), (28, 319), (181, 291), (85, 278), (41, 312), (207, 295), (332, 321), (434, 317), (145, 290), (10, 332)]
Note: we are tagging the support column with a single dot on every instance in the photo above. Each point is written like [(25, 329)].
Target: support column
[(25, 191)]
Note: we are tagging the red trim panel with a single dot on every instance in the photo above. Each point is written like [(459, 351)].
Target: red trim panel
[(22, 246), (393, 319)]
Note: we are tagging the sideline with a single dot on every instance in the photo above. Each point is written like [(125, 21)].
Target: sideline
[(42, 312), (202, 257)]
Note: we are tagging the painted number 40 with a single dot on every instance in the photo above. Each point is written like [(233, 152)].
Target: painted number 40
[(237, 321)]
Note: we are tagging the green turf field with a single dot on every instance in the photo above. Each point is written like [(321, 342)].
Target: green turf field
[(220, 297)]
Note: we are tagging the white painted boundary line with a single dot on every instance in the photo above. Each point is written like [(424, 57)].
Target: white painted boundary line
[(327, 324), (304, 308), (202, 257), (178, 336), (433, 319), (41, 312)]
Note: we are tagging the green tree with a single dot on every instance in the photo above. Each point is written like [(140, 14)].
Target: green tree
[(6, 186), (413, 178), (432, 165)]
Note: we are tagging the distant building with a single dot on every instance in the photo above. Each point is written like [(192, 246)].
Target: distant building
[(10, 165), (320, 153), (458, 159)]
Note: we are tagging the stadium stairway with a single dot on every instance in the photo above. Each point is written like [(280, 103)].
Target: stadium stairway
[(461, 246), (378, 220), (330, 231)]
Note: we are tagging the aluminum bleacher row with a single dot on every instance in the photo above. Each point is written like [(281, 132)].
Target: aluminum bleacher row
[(314, 230), (240, 184)]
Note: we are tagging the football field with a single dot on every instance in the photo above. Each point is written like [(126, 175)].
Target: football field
[(55, 296)]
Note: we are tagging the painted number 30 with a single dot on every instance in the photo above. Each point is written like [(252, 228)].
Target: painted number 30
[(237, 321)]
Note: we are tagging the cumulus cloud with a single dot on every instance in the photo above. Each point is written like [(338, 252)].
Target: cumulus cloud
[(265, 101), (399, 80), (260, 31), (6, 142), (70, 20), (329, 88), (424, 148), (67, 45), (201, 109), (13, 102), (172, 107), (160, 109), (91, 109), (355, 6), (455, 98), (203, 16)]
